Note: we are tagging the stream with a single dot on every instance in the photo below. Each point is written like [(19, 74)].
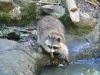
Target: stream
[(79, 67)]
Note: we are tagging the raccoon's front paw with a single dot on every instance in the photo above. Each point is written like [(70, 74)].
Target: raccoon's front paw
[(55, 61), (40, 50)]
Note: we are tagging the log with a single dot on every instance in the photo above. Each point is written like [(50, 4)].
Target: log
[(79, 18), (73, 9)]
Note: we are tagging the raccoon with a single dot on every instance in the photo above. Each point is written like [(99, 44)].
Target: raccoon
[(51, 36)]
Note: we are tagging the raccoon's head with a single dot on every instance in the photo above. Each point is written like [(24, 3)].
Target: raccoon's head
[(55, 44)]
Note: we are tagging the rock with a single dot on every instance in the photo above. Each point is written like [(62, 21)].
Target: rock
[(48, 8), (55, 10), (13, 36), (6, 45), (20, 58)]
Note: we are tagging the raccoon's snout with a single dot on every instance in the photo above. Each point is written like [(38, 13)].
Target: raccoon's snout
[(64, 51)]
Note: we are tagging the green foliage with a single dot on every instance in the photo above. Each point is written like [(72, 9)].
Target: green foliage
[(5, 17), (30, 13)]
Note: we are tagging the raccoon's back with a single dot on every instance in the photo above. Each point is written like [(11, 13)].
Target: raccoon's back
[(49, 24)]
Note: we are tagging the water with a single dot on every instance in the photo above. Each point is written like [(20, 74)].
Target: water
[(79, 67)]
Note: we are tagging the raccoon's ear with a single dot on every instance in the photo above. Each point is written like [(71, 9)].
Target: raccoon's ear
[(58, 39)]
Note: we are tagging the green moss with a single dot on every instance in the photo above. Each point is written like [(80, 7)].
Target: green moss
[(29, 13), (5, 17)]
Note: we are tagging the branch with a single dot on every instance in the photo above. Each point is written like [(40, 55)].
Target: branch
[(80, 19), (73, 10)]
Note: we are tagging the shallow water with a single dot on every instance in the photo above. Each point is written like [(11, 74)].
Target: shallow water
[(79, 67)]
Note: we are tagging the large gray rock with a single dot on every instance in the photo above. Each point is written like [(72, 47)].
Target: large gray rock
[(20, 59)]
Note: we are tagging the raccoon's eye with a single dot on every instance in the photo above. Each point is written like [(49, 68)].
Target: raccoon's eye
[(54, 47), (49, 46)]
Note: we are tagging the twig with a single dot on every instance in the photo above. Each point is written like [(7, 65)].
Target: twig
[(92, 3)]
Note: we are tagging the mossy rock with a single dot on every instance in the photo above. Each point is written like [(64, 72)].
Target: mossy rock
[(29, 13), (5, 17)]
